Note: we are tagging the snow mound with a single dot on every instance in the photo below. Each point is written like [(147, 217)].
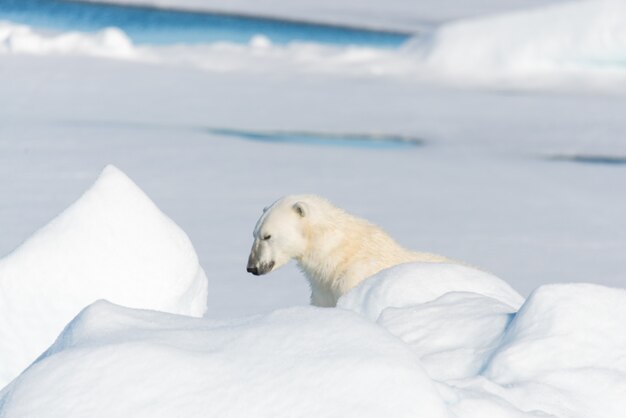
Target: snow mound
[(576, 39), (562, 356), (455, 335), (109, 43), (113, 243), (417, 283), (563, 327), (466, 355), (299, 362)]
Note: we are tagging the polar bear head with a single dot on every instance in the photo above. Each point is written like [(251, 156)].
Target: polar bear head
[(280, 234)]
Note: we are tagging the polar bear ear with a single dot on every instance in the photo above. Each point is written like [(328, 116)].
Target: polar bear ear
[(301, 208)]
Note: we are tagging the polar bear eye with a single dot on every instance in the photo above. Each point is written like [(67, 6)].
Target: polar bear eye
[(266, 237)]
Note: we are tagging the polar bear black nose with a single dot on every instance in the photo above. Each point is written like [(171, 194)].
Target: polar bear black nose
[(253, 270)]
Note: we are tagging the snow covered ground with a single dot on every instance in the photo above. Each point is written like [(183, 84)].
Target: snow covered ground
[(517, 165), (113, 244), (467, 355)]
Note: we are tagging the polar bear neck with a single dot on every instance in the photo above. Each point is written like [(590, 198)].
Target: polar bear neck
[(342, 251)]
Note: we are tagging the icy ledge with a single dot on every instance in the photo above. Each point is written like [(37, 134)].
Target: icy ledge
[(113, 243)]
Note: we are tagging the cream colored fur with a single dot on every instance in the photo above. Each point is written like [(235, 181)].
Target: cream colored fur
[(334, 249)]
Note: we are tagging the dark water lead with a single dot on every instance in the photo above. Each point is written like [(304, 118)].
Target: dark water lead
[(147, 25), (358, 140), (321, 138), (591, 159)]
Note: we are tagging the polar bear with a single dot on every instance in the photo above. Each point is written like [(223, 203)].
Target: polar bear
[(334, 250)]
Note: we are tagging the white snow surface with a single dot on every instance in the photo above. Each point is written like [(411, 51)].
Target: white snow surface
[(481, 359), (411, 283), (112, 243), (586, 317), (562, 355), (299, 362), (454, 335), (554, 44), (108, 43)]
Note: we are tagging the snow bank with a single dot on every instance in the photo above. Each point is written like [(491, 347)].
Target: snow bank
[(112, 243), (455, 335), (464, 354), (301, 362), (417, 283), (452, 316), (562, 356), (578, 41), (108, 43), (586, 319)]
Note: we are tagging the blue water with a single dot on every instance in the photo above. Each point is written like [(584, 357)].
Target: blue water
[(145, 25)]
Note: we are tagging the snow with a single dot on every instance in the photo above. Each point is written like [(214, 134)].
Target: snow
[(483, 188), (587, 317), (412, 283), (562, 355), (298, 362), (520, 172), (570, 41), (112, 243), (454, 335), (109, 43), (307, 361)]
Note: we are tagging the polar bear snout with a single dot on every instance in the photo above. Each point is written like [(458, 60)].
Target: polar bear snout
[(261, 259), (259, 269)]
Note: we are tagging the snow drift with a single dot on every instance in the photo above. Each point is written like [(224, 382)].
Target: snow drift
[(112, 243), (301, 362), (417, 283), (461, 354), (578, 40), (108, 43), (455, 335), (452, 316), (561, 354)]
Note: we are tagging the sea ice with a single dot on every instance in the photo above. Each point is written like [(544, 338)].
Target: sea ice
[(107, 43), (113, 243), (416, 283), (301, 362)]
